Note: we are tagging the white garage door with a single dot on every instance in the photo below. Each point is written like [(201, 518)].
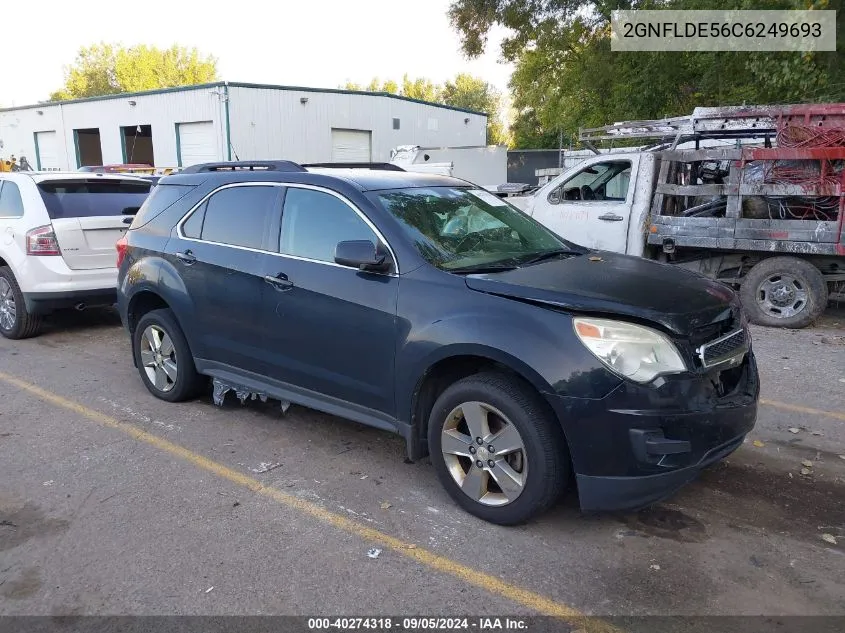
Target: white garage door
[(197, 143), (47, 149), (351, 146)]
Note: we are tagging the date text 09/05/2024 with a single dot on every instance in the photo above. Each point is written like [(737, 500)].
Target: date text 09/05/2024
[(417, 624)]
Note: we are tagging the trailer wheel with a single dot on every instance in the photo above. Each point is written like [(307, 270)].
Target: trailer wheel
[(784, 292)]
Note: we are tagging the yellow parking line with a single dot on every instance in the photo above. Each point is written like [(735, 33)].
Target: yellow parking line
[(534, 601), (808, 410)]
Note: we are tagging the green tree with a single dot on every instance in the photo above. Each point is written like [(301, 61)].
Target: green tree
[(464, 91), (567, 77), (103, 69)]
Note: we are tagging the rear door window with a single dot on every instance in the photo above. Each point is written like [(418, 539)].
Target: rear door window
[(11, 205), (91, 198), (239, 216)]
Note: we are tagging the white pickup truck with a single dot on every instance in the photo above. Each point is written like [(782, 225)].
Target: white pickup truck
[(765, 219)]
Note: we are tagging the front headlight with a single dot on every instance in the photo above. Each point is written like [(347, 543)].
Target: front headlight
[(632, 351)]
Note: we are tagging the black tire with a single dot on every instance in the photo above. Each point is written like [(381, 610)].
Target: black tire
[(188, 382), (806, 278), (548, 465), (25, 325)]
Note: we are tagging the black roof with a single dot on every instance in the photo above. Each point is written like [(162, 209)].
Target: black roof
[(285, 171)]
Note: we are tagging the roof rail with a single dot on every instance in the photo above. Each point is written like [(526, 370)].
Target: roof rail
[(381, 166), (244, 165)]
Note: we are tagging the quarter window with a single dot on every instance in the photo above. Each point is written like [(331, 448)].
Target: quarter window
[(239, 216), (313, 222), (11, 205)]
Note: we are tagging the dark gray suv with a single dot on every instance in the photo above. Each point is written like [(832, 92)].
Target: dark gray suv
[(427, 306)]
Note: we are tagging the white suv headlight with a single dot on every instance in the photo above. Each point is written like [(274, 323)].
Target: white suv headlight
[(632, 351)]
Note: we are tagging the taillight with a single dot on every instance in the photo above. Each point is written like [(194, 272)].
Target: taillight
[(42, 241), (121, 245)]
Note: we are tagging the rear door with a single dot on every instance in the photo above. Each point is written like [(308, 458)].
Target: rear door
[(90, 215), (220, 252)]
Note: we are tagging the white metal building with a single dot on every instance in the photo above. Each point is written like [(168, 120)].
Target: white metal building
[(178, 127)]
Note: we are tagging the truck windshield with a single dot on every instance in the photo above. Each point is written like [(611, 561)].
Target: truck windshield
[(461, 229)]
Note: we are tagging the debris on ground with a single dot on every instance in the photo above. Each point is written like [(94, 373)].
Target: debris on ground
[(209, 589), (411, 546), (236, 504), (48, 483), (758, 443), (842, 457), (373, 552), (829, 538), (794, 430), (817, 433), (654, 567), (386, 505), (807, 463), (265, 467), (363, 476), (806, 471)]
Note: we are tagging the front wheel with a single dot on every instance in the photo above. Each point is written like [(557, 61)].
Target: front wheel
[(784, 292), (497, 448)]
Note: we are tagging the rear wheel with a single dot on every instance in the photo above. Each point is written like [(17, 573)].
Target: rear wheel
[(15, 321), (784, 292), (164, 359), (497, 448)]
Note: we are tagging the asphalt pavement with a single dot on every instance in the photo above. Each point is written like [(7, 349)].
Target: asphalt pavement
[(113, 502)]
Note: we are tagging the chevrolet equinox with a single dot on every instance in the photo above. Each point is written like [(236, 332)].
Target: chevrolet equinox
[(427, 306)]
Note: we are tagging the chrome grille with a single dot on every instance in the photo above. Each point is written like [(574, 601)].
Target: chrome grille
[(723, 349)]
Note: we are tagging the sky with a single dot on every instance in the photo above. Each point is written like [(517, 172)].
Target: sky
[(318, 43)]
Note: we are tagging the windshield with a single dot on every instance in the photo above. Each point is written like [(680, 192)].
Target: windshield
[(456, 228)]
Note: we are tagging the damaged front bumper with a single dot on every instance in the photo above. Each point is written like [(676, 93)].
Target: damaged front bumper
[(641, 444)]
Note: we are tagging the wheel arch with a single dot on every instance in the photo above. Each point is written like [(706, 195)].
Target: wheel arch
[(448, 366)]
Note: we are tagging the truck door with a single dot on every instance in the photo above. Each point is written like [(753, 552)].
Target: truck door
[(591, 204)]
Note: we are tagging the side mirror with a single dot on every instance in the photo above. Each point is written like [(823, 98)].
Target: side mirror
[(555, 196), (362, 254)]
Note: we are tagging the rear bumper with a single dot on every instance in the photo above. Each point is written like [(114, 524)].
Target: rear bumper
[(46, 302)]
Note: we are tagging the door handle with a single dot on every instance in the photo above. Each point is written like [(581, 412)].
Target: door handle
[(611, 217), (279, 282), (128, 220), (186, 258)]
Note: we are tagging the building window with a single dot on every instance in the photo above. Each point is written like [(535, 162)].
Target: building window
[(89, 151), (395, 124)]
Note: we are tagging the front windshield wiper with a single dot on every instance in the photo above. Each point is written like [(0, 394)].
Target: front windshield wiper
[(481, 268), (544, 255)]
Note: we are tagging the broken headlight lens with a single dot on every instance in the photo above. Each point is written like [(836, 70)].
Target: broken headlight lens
[(632, 351)]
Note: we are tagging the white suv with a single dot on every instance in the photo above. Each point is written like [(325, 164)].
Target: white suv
[(57, 242)]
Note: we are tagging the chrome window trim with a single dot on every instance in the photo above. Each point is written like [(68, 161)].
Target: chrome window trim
[(379, 235)]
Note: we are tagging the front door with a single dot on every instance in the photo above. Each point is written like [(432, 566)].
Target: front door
[(331, 329), (219, 254), (592, 207)]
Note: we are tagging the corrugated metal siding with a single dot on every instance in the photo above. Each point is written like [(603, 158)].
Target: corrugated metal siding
[(160, 111), (272, 123), (265, 123)]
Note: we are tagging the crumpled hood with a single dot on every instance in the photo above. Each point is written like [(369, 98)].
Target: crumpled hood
[(609, 283)]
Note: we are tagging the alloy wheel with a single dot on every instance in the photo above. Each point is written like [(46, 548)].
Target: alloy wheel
[(484, 453), (158, 357), (8, 309)]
